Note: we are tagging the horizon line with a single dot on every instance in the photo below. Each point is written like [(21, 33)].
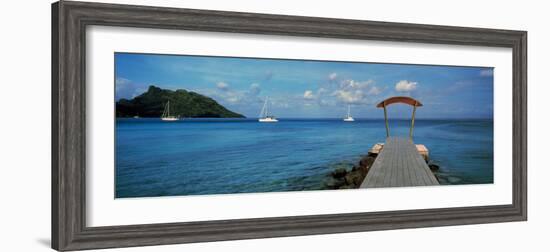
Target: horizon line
[(335, 118)]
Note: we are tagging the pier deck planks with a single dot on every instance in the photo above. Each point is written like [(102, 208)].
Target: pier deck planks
[(399, 164)]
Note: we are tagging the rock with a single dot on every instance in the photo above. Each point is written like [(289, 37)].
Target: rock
[(433, 167), (354, 179), (330, 185), (335, 183), (366, 161), (341, 178), (339, 173), (376, 148), (363, 170)]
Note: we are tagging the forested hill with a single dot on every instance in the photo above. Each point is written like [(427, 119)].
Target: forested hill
[(182, 103)]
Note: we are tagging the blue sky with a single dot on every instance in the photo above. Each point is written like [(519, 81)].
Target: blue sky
[(312, 89)]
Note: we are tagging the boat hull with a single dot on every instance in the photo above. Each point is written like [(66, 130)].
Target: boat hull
[(349, 119), (267, 120), (169, 119)]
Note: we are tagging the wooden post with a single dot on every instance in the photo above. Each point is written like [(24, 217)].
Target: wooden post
[(412, 122), (386, 120)]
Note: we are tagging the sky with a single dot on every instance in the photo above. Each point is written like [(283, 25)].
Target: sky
[(312, 89)]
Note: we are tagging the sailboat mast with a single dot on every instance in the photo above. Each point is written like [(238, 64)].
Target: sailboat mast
[(349, 110), (263, 110), (266, 107)]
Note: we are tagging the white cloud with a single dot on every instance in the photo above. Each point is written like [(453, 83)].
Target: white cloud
[(121, 81), (223, 92), (405, 86), (353, 84), (349, 91), (350, 97), (233, 99), (486, 72), (222, 86), (374, 90), (323, 102), (332, 76), (254, 89), (125, 88), (121, 84), (308, 95)]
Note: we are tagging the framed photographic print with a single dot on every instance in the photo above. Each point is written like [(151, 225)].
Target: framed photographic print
[(178, 125)]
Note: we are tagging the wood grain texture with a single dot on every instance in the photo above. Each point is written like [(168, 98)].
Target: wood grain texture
[(69, 21), (400, 165)]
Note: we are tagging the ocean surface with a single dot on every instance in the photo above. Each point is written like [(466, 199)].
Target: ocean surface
[(218, 156)]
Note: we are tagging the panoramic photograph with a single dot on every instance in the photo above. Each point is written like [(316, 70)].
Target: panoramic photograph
[(203, 125)]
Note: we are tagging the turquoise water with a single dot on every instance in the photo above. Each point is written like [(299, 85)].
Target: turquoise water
[(199, 156)]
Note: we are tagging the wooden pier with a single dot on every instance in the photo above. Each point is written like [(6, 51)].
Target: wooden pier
[(399, 164)]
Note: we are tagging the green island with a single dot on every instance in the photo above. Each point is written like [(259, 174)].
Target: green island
[(183, 103)]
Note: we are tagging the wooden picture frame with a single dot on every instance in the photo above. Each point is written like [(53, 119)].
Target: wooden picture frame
[(69, 20)]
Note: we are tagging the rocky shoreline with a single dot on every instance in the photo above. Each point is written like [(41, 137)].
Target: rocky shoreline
[(342, 178)]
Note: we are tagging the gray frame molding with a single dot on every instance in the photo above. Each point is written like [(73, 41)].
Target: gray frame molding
[(69, 20)]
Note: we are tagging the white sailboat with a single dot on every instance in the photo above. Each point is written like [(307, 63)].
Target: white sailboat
[(264, 114), (166, 114), (349, 118)]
